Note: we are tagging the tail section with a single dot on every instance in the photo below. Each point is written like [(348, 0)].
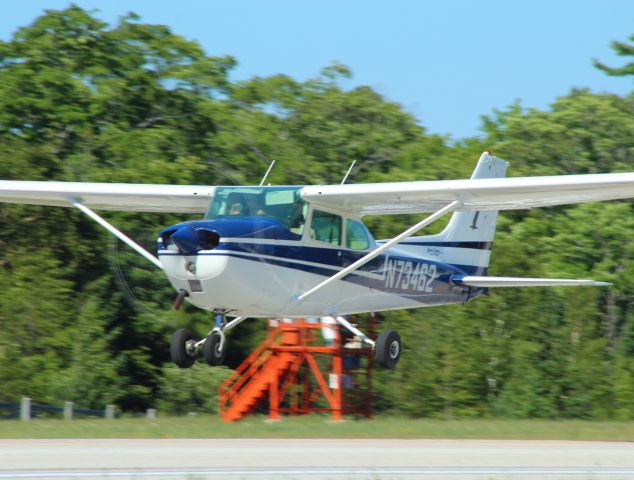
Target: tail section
[(476, 226), (466, 240)]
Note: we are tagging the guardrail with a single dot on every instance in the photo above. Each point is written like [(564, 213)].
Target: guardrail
[(27, 410), (13, 410)]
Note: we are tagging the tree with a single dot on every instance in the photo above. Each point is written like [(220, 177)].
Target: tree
[(35, 323), (81, 316), (81, 100), (622, 49)]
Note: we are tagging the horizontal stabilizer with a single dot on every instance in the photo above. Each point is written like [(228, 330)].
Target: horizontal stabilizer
[(488, 282)]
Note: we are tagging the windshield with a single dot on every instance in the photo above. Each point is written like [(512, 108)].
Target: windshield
[(283, 204)]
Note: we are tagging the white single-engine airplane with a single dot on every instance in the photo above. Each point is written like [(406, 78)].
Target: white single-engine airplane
[(302, 251)]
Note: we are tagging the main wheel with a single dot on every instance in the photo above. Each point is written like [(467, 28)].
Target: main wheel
[(212, 352), (387, 350), (182, 348)]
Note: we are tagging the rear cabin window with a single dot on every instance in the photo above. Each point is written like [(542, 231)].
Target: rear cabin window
[(356, 235), (326, 227)]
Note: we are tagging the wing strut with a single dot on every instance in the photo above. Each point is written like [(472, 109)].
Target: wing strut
[(378, 251), (117, 233)]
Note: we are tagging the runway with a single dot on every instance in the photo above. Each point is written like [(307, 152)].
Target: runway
[(301, 458)]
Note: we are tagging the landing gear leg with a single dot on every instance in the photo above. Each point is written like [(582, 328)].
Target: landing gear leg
[(214, 348), (214, 345), (184, 349), (387, 348)]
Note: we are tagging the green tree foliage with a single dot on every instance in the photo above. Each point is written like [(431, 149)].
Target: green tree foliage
[(34, 314), (623, 49), (84, 101), (196, 392), (83, 318)]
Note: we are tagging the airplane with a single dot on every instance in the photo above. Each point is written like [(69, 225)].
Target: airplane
[(303, 251)]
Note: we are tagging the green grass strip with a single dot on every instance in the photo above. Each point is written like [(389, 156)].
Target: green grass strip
[(316, 426)]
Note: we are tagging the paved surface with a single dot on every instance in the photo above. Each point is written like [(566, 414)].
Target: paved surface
[(375, 459)]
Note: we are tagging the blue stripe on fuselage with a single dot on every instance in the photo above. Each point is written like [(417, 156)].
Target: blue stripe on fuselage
[(473, 245), (334, 257)]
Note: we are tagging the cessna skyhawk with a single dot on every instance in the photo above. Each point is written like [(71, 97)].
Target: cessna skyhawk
[(303, 251)]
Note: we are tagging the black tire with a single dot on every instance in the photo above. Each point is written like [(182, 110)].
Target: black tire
[(212, 353), (388, 348), (178, 348)]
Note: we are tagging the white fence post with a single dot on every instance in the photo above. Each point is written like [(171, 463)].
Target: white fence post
[(25, 409), (68, 410), (109, 413), (151, 413)]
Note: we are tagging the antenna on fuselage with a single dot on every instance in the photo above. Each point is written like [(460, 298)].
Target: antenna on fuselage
[(345, 177), (267, 173)]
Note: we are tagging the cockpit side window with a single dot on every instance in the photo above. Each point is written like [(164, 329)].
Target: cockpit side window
[(326, 227), (356, 235)]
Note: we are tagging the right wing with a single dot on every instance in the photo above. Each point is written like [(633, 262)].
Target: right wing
[(110, 196), (473, 194)]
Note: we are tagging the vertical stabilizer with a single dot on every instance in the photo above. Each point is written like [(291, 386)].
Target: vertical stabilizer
[(466, 240)]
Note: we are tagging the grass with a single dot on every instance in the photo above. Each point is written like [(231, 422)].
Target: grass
[(207, 426)]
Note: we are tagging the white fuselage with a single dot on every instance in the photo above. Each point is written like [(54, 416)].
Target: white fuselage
[(263, 278), (260, 248)]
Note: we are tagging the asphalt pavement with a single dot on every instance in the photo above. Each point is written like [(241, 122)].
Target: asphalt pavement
[(312, 458)]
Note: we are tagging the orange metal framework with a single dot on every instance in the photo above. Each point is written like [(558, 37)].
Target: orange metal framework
[(286, 366)]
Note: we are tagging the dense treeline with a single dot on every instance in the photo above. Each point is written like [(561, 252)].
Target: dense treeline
[(84, 319)]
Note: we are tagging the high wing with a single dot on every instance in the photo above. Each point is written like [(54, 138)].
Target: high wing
[(474, 194), (358, 199), (110, 196)]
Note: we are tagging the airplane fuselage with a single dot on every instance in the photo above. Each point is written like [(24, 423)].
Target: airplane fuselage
[(255, 267)]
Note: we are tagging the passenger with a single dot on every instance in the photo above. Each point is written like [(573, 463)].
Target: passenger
[(236, 209)]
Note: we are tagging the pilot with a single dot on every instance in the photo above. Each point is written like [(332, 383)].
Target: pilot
[(236, 209), (295, 221)]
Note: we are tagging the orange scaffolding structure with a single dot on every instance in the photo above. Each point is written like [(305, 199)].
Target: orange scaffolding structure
[(287, 371)]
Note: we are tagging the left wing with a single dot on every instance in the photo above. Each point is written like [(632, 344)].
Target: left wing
[(474, 194), (110, 196)]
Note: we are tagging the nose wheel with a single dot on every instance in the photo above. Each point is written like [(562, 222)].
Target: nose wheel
[(214, 349), (184, 349)]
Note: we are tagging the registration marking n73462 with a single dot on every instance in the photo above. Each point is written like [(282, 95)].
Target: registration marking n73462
[(409, 275)]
